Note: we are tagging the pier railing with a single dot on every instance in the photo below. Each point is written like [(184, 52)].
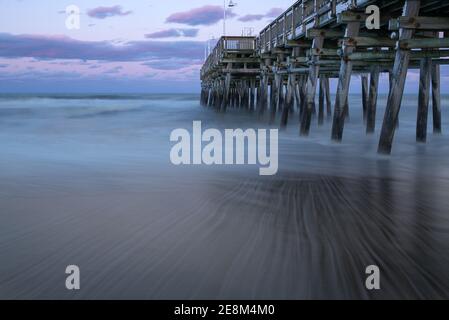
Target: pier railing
[(290, 25), (301, 16), (295, 21), (228, 45)]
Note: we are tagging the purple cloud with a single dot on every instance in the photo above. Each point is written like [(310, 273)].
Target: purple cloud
[(173, 33), (172, 64), (107, 12), (114, 70), (251, 17), (206, 15), (61, 47), (272, 13)]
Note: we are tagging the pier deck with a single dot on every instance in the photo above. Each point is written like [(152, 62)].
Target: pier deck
[(292, 58)]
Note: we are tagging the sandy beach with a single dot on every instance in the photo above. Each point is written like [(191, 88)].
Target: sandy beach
[(88, 181)]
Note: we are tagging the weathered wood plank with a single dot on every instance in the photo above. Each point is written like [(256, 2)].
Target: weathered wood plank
[(430, 43), (369, 42), (422, 23), (324, 33), (351, 16)]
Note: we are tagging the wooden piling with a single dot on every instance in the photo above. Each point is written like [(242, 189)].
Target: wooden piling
[(297, 95), (321, 95), (436, 98), (372, 100), (411, 9), (288, 101), (423, 100), (226, 93), (275, 87), (303, 96), (314, 70), (328, 97), (364, 79), (262, 104), (341, 100), (252, 94)]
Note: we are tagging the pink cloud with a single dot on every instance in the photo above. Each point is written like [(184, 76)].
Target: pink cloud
[(173, 33), (107, 12), (206, 15), (56, 47), (251, 17), (272, 13)]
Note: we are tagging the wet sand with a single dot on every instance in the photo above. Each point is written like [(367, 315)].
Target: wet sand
[(108, 201)]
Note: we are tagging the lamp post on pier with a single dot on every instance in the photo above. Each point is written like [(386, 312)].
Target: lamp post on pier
[(231, 4)]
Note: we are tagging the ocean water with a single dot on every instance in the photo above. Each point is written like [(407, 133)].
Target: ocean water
[(87, 180)]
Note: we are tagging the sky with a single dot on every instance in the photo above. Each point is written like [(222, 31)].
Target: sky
[(123, 46), (120, 46)]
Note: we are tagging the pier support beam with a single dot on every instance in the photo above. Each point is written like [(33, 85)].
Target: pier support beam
[(328, 97), (436, 98), (281, 94), (275, 92), (246, 98), (341, 100), (372, 100), (297, 95), (303, 96), (252, 94), (423, 100), (262, 104), (227, 88), (288, 100), (322, 91), (411, 9), (364, 79), (314, 70)]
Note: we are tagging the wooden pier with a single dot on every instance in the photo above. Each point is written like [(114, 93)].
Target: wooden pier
[(281, 70)]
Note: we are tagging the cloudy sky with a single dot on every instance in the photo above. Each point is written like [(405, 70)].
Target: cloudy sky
[(124, 46), (127, 46)]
